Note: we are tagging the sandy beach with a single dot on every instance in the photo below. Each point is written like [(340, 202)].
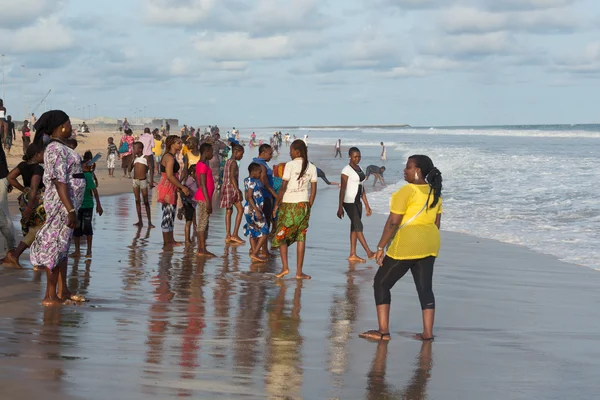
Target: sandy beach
[(510, 324)]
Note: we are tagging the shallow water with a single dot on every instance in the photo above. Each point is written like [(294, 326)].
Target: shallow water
[(163, 324)]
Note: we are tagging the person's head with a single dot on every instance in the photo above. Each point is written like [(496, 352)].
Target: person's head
[(156, 136), (9, 118), (420, 168), (265, 152), (34, 154), (71, 142), (192, 143), (254, 170), (87, 156), (354, 155), (298, 150), (55, 123), (25, 122), (33, 114), (381, 143), (206, 151), (173, 144), (382, 170), (138, 149), (111, 140), (146, 130), (237, 152), (128, 132)]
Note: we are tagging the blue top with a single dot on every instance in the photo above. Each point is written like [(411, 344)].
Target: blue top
[(265, 192)]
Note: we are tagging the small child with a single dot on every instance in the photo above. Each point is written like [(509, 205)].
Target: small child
[(112, 154), (203, 197), (256, 227), (139, 165), (86, 211), (189, 204), (231, 195)]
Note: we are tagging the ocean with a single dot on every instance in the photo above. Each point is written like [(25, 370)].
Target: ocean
[(533, 186)]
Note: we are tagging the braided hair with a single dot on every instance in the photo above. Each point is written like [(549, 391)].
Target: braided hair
[(170, 142), (431, 175)]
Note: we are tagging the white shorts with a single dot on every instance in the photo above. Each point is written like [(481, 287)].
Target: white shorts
[(140, 183), (112, 160)]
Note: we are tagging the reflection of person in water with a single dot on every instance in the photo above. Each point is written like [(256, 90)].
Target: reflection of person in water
[(416, 389)]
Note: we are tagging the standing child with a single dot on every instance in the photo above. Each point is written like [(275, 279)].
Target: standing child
[(157, 150), (294, 204), (256, 227), (139, 165), (203, 197), (111, 157), (86, 211), (231, 195), (189, 204)]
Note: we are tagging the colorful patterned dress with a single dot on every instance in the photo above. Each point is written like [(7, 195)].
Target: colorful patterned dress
[(51, 245), (254, 227), (229, 195)]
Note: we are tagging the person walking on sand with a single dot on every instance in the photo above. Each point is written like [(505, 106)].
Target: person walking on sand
[(231, 195), (414, 225), (167, 188), (6, 226), (352, 197), (338, 148), (206, 187), (31, 199), (65, 187), (112, 154), (26, 135), (292, 208), (383, 153), (139, 165), (147, 140), (126, 151), (11, 135)]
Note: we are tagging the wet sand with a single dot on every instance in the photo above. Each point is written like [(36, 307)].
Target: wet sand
[(511, 323)]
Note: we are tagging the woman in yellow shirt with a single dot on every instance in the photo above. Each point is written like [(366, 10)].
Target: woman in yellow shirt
[(413, 223)]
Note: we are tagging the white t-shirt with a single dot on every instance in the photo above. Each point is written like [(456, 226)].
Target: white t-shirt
[(353, 183), (141, 160), (297, 190)]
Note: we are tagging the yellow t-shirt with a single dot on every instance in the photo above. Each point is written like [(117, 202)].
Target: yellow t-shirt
[(192, 159), (184, 150), (420, 238), (157, 149)]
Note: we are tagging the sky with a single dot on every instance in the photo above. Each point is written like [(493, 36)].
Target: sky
[(254, 63)]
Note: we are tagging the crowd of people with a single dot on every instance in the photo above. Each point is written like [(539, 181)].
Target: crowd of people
[(59, 195)]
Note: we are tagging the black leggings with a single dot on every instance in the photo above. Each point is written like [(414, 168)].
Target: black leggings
[(392, 270), (354, 213)]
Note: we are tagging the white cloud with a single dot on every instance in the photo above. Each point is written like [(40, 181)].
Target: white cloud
[(472, 45), (586, 63), (20, 13), (46, 35), (177, 12)]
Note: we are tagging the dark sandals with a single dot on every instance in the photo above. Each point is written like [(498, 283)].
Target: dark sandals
[(419, 336), (370, 332)]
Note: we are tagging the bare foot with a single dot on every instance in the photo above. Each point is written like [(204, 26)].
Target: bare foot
[(283, 273), (75, 254), (138, 224), (257, 258), (303, 276), (11, 259), (237, 239), (51, 301), (150, 225), (176, 244), (205, 253), (375, 335), (356, 259), (267, 255), (227, 239), (65, 295)]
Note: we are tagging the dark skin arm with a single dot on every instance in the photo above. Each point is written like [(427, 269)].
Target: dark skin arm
[(282, 190), (169, 163), (204, 189), (313, 194), (33, 194), (344, 185), (233, 173), (12, 179), (63, 195), (265, 181), (98, 206), (366, 202)]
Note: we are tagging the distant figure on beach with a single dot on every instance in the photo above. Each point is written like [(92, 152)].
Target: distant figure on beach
[(3, 124), (147, 139), (126, 151), (6, 226), (11, 134), (167, 188), (352, 197), (157, 150), (85, 213), (31, 199), (65, 187), (231, 195), (292, 208), (383, 153), (338, 148), (305, 139), (287, 140), (139, 166), (205, 178), (168, 127), (377, 173), (112, 153), (125, 125), (414, 226), (26, 135), (256, 227)]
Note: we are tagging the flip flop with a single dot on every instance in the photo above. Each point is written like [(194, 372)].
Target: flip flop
[(78, 298), (419, 336), (381, 335)]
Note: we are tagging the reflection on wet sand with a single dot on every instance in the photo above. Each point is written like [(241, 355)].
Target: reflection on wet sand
[(416, 389), (283, 369)]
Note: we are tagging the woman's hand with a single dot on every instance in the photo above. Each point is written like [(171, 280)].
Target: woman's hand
[(185, 191), (340, 213), (26, 214), (72, 220), (379, 256), (275, 209), (99, 210), (369, 211)]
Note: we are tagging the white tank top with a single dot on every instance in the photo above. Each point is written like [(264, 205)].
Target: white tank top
[(2, 113)]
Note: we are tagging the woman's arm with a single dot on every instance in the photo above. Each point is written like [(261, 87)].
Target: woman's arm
[(169, 164), (63, 195), (313, 193), (282, 191), (12, 179), (344, 185), (364, 199), (389, 230), (438, 221)]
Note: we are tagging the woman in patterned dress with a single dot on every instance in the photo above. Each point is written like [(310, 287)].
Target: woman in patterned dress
[(231, 195), (65, 186), (256, 227)]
